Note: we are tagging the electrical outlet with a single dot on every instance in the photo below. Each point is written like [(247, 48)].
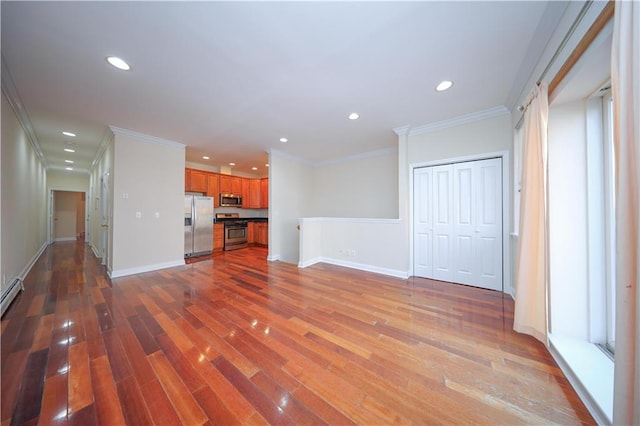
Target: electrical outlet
[(138, 215)]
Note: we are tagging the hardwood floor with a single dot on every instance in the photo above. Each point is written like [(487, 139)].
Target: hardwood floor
[(238, 340)]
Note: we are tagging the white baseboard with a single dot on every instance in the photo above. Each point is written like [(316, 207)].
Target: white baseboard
[(8, 298), (95, 251), (273, 258), (353, 265), (147, 268), (60, 240)]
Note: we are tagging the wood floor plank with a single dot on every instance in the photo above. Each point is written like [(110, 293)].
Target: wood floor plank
[(183, 401), (31, 388), (37, 303), (133, 405), (42, 338), (13, 367), (80, 388), (214, 407), (107, 405), (238, 340), (54, 400), (263, 404), (189, 376), (230, 396), (160, 407)]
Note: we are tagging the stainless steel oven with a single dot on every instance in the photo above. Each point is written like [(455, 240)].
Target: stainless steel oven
[(235, 230), (235, 235)]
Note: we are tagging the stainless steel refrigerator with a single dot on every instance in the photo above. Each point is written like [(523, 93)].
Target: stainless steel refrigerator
[(198, 225)]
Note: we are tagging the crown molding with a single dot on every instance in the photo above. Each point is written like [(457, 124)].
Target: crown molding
[(402, 130), (281, 154), (362, 156), (105, 140), (460, 120), (13, 97), (146, 138)]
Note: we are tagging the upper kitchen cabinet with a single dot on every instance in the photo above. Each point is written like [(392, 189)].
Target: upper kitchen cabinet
[(246, 199), (213, 188), (264, 193), (230, 184), (255, 199), (195, 180)]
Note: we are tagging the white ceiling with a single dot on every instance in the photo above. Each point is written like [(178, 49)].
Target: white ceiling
[(229, 79)]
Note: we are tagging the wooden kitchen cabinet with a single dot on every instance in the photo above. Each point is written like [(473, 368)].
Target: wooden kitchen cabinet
[(262, 233), (218, 237), (230, 184), (255, 200), (195, 180), (246, 203), (264, 193), (251, 234), (213, 188)]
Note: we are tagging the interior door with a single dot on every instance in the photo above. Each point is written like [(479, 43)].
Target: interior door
[(458, 223), (423, 222), (105, 218), (489, 224), (464, 220), (442, 223)]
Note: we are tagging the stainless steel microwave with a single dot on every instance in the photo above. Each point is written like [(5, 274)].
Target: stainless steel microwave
[(230, 200)]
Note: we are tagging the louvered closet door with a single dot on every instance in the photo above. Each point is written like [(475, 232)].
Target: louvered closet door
[(458, 223)]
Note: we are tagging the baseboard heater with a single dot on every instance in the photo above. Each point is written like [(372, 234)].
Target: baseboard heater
[(8, 296)]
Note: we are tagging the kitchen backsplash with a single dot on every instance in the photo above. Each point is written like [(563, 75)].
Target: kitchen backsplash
[(243, 212)]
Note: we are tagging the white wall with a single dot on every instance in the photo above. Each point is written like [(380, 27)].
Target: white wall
[(362, 187), (290, 198), (475, 137), (67, 181), (24, 182), (568, 278), (148, 179)]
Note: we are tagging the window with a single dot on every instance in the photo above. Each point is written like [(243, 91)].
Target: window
[(609, 218)]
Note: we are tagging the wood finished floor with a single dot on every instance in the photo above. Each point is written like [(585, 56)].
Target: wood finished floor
[(238, 340)]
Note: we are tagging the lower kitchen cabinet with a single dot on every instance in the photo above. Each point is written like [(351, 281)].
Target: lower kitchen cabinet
[(262, 233), (218, 237), (258, 233)]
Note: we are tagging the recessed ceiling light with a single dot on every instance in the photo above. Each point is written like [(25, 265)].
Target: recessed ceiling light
[(284, 140), (254, 168), (68, 161), (232, 164), (204, 157), (68, 168), (70, 150), (73, 135), (354, 116), (444, 85), (118, 63)]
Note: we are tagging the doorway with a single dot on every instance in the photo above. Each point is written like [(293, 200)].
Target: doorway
[(458, 223), (68, 216)]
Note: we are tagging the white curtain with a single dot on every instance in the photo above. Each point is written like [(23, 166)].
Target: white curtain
[(531, 276), (625, 76)]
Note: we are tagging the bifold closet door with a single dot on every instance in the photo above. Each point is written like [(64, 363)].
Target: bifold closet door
[(458, 223)]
